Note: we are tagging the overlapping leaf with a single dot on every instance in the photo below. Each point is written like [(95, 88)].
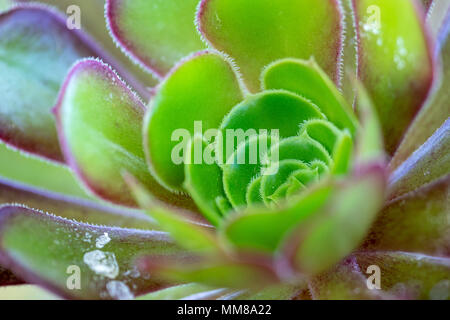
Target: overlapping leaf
[(99, 125), (255, 34), (47, 250)]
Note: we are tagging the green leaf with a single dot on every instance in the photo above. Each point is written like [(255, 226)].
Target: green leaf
[(410, 276), (19, 166), (341, 225), (189, 234), (271, 183), (36, 51), (323, 132), (157, 33), (99, 122), (261, 228), (342, 155), (414, 222), (308, 80), (91, 23), (369, 140), (430, 117), (31, 39), (255, 34), (271, 110), (345, 281), (428, 163), (202, 89), (204, 182), (243, 166), (301, 148), (395, 62), (73, 208), (35, 246), (254, 272)]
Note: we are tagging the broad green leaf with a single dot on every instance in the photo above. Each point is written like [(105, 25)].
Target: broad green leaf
[(345, 281), (36, 51), (415, 222), (261, 228), (308, 80), (31, 39), (195, 96), (187, 233), (99, 29), (156, 33), (99, 122), (46, 250), (395, 62), (204, 181), (90, 13), (428, 163), (271, 110), (255, 34), (410, 276), (73, 208), (341, 225), (431, 116)]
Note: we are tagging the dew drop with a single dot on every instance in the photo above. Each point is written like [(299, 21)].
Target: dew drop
[(119, 290), (102, 263), (103, 240)]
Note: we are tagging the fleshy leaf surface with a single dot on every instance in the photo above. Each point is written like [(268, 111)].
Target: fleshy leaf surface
[(430, 162), (255, 34), (99, 125), (195, 96), (34, 40), (85, 211), (35, 246), (341, 225), (430, 117), (308, 80), (204, 182), (395, 62), (414, 222), (156, 33), (192, 236), (410, 275), (256, 272), (345, 281)]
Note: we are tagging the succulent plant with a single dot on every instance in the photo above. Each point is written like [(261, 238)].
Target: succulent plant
[(266, 150)]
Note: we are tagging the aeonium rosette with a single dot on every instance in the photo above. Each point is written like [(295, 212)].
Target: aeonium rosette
[(286, 148)]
